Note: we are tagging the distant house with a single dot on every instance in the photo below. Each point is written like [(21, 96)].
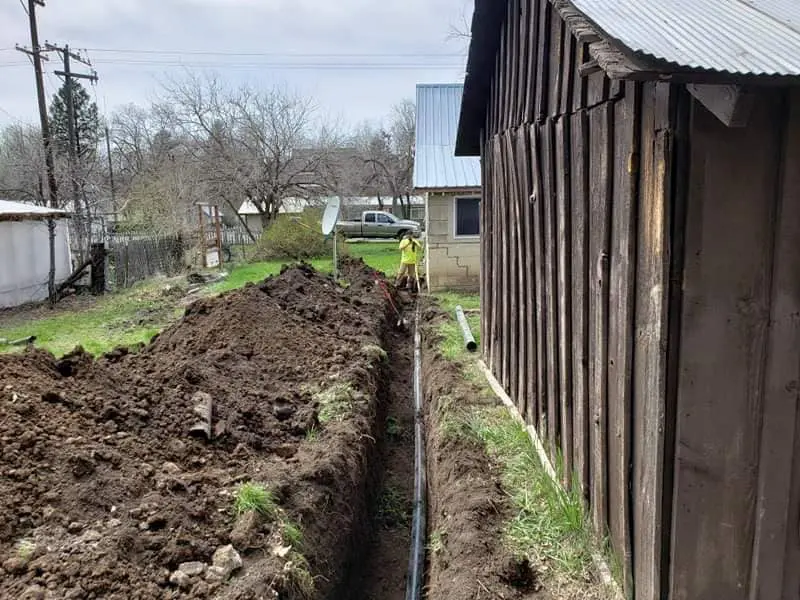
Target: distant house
[(451, 187), (25, 252), (252, 217), (641, 291)]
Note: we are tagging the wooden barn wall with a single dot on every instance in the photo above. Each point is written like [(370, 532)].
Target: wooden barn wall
[(735, 524), (576, 223), (641, 304)]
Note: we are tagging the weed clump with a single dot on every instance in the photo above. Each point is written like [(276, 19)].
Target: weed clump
[(336, 402), (254, 497)]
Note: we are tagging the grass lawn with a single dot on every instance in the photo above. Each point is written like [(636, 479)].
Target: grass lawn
[(135, 315)]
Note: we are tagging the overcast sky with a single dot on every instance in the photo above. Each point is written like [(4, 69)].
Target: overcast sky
[(356, 58)]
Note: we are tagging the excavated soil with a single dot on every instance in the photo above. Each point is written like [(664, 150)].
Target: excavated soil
[(105, 491), (467, 504)]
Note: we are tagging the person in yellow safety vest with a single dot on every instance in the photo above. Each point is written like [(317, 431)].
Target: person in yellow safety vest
[(409, 247)]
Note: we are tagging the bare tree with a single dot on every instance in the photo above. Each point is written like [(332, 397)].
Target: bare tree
[(251, 145), (22, 164)]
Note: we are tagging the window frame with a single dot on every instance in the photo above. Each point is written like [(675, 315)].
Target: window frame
[(471, 236)]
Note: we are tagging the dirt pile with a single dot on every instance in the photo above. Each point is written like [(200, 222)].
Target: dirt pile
[(105, 492)]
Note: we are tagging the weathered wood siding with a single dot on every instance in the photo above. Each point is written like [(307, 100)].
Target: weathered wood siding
[(735, 526), (636, 251)]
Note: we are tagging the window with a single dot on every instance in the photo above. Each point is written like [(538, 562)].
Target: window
[(369, 218), (468, 217), (384, 218)]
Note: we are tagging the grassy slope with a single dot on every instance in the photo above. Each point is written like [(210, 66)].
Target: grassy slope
[(135, 315)]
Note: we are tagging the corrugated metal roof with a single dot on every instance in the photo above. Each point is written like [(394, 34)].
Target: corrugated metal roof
[(19, 210), (435, 163), (748, 37)]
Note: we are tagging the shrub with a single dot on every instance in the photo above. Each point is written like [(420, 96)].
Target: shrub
[(296, 237)]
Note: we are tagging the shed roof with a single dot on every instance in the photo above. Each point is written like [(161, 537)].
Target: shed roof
[(744, 37), (436, 166), (694, 40), (20, 211)]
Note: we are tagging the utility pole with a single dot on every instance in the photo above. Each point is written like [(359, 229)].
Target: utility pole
[(69, 78), (35, 52)]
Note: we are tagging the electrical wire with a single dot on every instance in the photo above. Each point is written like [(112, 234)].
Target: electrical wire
[(279, 54)]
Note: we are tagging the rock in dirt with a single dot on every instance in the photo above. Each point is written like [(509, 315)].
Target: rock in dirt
[(193, 568), (245, 531), (180, 579), (226, 560)]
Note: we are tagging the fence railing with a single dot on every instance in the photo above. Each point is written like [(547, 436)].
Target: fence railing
[(136, 258)]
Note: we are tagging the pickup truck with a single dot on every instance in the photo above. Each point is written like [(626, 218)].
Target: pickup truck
[(377, 224)]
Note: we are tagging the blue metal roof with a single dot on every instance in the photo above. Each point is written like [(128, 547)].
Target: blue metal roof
[(744, 37), (436, 166)]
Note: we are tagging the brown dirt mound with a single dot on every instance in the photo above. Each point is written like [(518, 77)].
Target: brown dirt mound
[(104, 491)]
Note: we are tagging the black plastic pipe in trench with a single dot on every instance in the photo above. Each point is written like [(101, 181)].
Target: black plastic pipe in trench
[(469, 339), (416, 563)]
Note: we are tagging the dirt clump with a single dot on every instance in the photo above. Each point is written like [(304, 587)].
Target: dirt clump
[(106, 492)]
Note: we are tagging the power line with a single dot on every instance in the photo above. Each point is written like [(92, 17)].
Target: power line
[(278, 54)]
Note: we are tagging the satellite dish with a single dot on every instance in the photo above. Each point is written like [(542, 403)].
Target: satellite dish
[(331, 215)]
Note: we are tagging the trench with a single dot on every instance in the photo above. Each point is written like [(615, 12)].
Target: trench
[(380, 568)]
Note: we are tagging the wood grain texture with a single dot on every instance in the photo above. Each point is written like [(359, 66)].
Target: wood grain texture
[(564, 293), (579, 239), (650, 351), (601, 182), (723, 345), (550, 285), (620, 324)]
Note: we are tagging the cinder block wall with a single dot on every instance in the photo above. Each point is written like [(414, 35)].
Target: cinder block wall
[(453, 263)]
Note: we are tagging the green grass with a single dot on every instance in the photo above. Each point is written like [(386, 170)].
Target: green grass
[(291, 534), (254, 497), (124, 319), (550, 526), (134, 316)]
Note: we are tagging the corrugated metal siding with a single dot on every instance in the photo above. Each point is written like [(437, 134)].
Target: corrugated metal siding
[(753, 37), (435, 163)]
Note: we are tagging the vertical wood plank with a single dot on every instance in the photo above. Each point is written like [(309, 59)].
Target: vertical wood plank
[(580, 303), (514, 61), (550, 285), (486, 245), (495, 275), (568, 71), (504, 339), (521, 316), (650, 352), (601, 178), (620, 325), (524, 61), (724, 325), (543, 60), (788, 322), (532, 35), (513, 268), (538, 241), (529, 274), (556, 66), (564, 292), (503, 80), (579, 83), (776, 539)]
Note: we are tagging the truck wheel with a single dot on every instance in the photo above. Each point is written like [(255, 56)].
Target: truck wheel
[(401, 233)]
